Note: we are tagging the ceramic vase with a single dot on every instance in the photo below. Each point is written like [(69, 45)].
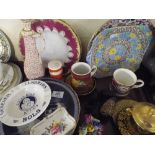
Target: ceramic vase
[(33, 66)]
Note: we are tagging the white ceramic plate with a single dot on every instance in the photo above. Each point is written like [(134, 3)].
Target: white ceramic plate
[(57, 123), (17, 78), (8, 74), (24, 103), (5, 48)]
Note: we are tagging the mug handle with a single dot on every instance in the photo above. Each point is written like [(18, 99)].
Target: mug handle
[(138, 85), (93, 70)]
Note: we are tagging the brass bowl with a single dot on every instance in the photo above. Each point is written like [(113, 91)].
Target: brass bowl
[(144, 116)]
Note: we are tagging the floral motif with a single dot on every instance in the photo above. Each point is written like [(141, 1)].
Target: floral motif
[(132, 60), (117, 58), (149, 33), (100, 46), (132, 35), (97, 61), (56, 128), (112, 51), (139, 46)]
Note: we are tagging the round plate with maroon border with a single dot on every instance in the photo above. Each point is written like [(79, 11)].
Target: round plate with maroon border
[(59, 29)]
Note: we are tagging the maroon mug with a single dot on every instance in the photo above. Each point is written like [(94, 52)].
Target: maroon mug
[(81, 77)]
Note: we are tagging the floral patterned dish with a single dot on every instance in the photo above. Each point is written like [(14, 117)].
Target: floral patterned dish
[(24, 103), (57, 41), (119, 22), (119, 47), (57, 123)]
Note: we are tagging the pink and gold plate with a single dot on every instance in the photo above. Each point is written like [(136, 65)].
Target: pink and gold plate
[(56, 41)]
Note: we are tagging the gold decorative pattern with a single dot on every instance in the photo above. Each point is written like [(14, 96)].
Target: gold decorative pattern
[(126, 124)]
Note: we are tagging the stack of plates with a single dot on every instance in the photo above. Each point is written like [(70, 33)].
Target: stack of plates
[(5, 48), (12, 77)]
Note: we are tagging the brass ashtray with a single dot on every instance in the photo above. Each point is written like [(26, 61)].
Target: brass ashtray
[(144, 116)]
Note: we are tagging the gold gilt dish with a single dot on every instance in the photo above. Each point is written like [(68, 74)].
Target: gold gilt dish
[(133, 118), (144, 116), (126, 124)]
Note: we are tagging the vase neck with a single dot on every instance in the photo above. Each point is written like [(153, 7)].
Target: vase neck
[(27, 30)]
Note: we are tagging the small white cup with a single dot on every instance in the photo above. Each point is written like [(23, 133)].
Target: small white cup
[(124, 80)]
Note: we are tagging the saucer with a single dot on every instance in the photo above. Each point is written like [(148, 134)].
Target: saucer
[(81, 93)]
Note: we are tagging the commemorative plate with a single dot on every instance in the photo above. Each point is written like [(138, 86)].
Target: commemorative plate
[(24, 103)]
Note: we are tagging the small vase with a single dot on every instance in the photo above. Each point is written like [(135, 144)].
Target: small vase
[(33, 66)]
